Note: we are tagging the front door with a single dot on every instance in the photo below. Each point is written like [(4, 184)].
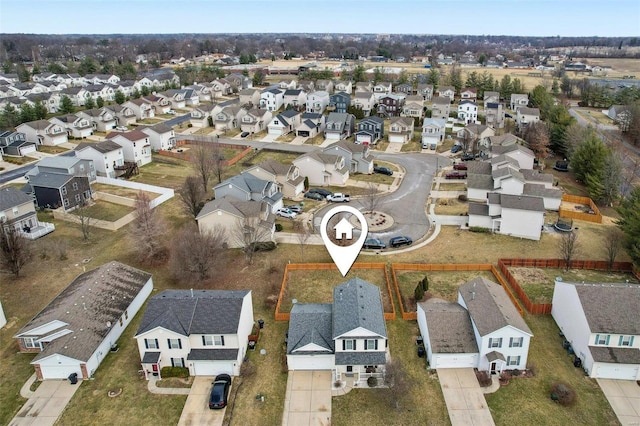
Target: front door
[(349, 372), (493, 368)]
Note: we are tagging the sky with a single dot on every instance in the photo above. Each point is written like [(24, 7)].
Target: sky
[(603, 18)]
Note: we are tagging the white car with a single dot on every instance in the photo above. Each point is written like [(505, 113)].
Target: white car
[(171, 112), (122, 128), (286, 213)]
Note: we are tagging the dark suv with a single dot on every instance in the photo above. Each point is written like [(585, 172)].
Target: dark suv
[(374, 243), (325, 193), (401, 240), (383, 170)]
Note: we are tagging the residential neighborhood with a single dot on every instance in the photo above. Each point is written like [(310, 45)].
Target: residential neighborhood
[(167, 222)]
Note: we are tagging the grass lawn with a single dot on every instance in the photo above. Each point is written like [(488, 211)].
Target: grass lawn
[(51, 149), (458, 186), (381, 145), (203, 131), (316, 286), (538, 282), (104, 210), (414, 145), (286, 138), (446, 145), (316, 140), (526, 401), (19, 160), (374, 178), (451, 206), (119, 190)]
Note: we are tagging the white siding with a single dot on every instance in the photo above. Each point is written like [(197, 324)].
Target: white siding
[(522, 223), (311, 362)]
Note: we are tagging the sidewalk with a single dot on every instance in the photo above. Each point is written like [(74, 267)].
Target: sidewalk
[(151, 385)]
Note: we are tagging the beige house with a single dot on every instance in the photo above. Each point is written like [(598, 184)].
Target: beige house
[(323, 169), (401, 129), (287, 176), (255, 120)]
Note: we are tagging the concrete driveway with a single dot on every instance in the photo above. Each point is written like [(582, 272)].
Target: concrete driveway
[(464, 398), (196, 409), (624, 397), (308, 399), (46, 404)]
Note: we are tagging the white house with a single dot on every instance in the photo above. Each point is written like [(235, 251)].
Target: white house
[(468, 111), (77, 127), (248, 187), (365, 101), (518, 100), (483, 330), (287, 176), (161, 136), (206, 331), (135, 145), (255, 120), (433, 131), (43, 132), (323, 169), (514, 215), (272, 99), (76, 331), (106, 156), (317, 101), (401, 129), (101, 119), (295, 97), (347, 337), (286, 122), (141, 108), (526, 116), (448, 92), (602, 324)]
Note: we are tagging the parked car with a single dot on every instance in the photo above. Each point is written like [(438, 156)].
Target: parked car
[(456, 175), (401, 240), (286, 213), (295, 209), (467, 157), (459, 167), (339, 197), (171, 112), (561, 166), (122, 128), (244, 134), (220, 392), (383, 171), (374, 243), (325, 193), (314, 196), (456, 148)]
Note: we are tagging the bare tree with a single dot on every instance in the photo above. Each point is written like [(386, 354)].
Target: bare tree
[(192, 195), (371, 199), (203, 163), (147, 231), (397, 382), (196, 255), (219, 162), (14, 249), (250, 231), (302, 235), (613, 240), (84, 219), (568, 248), (537, 136)]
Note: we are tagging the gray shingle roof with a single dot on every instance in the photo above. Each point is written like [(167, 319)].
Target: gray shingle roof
[(478, 167), (450, 329), (490, 307), (539, 190), (59, 162), (213, 355), (92, 301), (232, 205), (49, 180), (357, 303), (504, 149), (475, 181), (615, 355), (611, 308), (522, 202), (12, 197), (194, 312), (478, 209), (360, 358), (536, 176), (310, 324), (103, 147)]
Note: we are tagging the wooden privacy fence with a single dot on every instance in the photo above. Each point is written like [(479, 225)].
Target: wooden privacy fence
[(595, 217), (545, 308), (285, 316), (444, 267)]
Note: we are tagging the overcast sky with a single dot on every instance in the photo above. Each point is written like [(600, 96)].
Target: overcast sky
[(475, 17)]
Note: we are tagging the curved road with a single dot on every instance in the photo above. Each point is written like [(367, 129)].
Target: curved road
[(408, 204)]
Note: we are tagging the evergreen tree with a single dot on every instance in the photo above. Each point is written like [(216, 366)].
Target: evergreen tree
[(40, 110), (589, 158), (120, 98), (629, 223), (99, 102), (135, 94), (27, 113), (433, 77), (358, 74), (66, 106), (10, 116), (89, 103)]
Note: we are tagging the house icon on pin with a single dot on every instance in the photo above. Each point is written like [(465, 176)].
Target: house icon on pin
[(344, 228)]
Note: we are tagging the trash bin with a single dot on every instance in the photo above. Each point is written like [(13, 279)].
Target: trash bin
[(261, 323), (421, 351), (252, 345), (73, 378)]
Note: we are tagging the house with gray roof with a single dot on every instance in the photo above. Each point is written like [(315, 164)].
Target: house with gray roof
[(161, 136), (514, 215), (347, 336), (247, 187), (526, 116), (602, 325), (285, 122), (339, 126), (287, 176), (17, 211), (323, 169), (58, 190), (76, 125), (357, 156), (78, 328), (311, 125), (64, 165), (15, 144), (106, 156), (101, 119), (370, 130), (206, 331), (482, 330), (43, 132)]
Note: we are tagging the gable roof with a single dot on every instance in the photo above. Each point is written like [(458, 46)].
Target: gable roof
[(246, 182), (610, 308), (310, 324), (37, 125), (102, 147), (11, 197), (59, 162), (234, 206), (189, 312), (539, 190), (529, 111), (505, 149), (357, 303), (50, 180), (131, 135), (489, 306), (159, 128), (522, 202), (274, 166), (450, 328)]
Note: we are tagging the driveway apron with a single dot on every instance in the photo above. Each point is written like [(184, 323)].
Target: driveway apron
[(196, 409), (624, 397), (47, 403), (464, 398), (307, 399)]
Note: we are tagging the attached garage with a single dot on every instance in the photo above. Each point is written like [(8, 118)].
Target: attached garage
[(616, 371), (57, 367), (211, 362), (397, 138), (454, 361), (208, 368), (303, 133), (311, 362)]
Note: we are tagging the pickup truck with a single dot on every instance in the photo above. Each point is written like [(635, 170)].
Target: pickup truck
[(338, 197), (456, 175)]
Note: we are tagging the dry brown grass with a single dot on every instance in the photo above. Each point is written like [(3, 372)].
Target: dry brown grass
[(451, 206)]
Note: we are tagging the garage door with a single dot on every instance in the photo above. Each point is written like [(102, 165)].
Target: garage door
[(59, 371), (621, 372), (455, 361), (212, 368), (303, 133), (275, 131), (396, 139), (310, 362)]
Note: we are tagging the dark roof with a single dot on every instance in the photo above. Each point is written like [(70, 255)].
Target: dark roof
[(536, 176), (213, 355), (489, 306), (103, 147), (50, 180), (478, 167), (89, 307), (289, 113), (611, 308), (615, 355), (194, 312), (132, 135), (478, 209), (151, 357), (522, 202), (479, 181), (12, 197), (234, 206), (450, 329), (529, 111), (539, 190), (159, 128), (310, 324), (357, 303), (360, 358)]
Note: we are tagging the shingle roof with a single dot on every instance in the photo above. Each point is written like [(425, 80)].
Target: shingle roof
[(479, 167), (275, 167), (610, 308), (360, 358), (477, 181), (489, 306), (357, 303), (38, 124), (213, 355), (536, 176), (529, 111), (231, 205), (478, 209), (450, 329), (615, 355), (310, 324), (505, 149), (522, 202), (539, 190), (49, 180), (88, 305), (132, 135), (59, 162), (11, 197), (103, 147), (189, 312)]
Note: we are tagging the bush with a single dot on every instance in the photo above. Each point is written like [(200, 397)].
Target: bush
[(278, 227), (418, 293), (484, 378), (462, 197), (479, 229), (425, 283), (372, 382), (167, 372), (563, 394), (264, 246)]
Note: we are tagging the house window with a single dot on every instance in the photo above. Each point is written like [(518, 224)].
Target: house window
[(370, 344), (513, 360), (177, 362), (602, 339), (64, 190), (349, 345), (349, 368), (66, 202), (174, 343), (78, 198), (120, 321), (626, 340), (30, 342), (495, 343), (151, 343), (218, 340), (126, 314), (515, 342), (16, 210)]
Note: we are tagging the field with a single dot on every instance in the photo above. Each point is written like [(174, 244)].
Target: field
[(104, 210)]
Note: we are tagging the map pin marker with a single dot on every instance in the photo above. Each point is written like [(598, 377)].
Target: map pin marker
[(343, 256)]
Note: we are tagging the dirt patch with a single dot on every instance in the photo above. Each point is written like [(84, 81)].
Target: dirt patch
[(529, 275)]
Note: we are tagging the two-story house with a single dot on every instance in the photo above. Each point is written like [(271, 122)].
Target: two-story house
[(404, 88), (433, 131), (311, 125), (55, 190), (470, 93), (494, 115), (77, 126), (390, 105), (365, 101), (425, 90), (159, 104), (518, 100), (448, 92), (101, 119), (464, 335), (343, 86), (249, 97), (317, 101), (467, 111), (246, 187), (340, 102), (205, 331), (175, 97), (161, 136), (370, 131), (272, 99), (287, 176), (287, 84), (413, 107), (602, 325), (229, 118), (124, 115), (339, 126), (348, 337), (491, 97), (297, 98), (357, 156), (284, 123), (141, 108), (323, 169), (381, 89), (440, 107), (526, 116), (255, 120), (135, 144), (401, 129), (202, 115), (105, 155), (17, 211), (364, 86), (325, 85), (65, 165), (15, 144), (43, 132)]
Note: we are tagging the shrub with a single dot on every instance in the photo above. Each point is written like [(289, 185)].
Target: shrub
[(278, 227), (167, 372), (462, 197), (264, 246), (372, 382), (484, 378), (515, 373), (425, 283), (532, 369), (479, 229), (418, 293), (563, 394)]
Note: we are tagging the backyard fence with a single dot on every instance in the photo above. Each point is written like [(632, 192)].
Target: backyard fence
[(595, 217)]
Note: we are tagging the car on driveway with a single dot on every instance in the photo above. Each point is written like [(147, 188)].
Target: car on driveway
[(220, 392), (456, 175), (400, 240), (339, 197), (324, 192), (467, 157), (456, 148), (374, 243), (383, 171), (244, 134), (295, 209), (286, 213), (314, 196), (121, 128)]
